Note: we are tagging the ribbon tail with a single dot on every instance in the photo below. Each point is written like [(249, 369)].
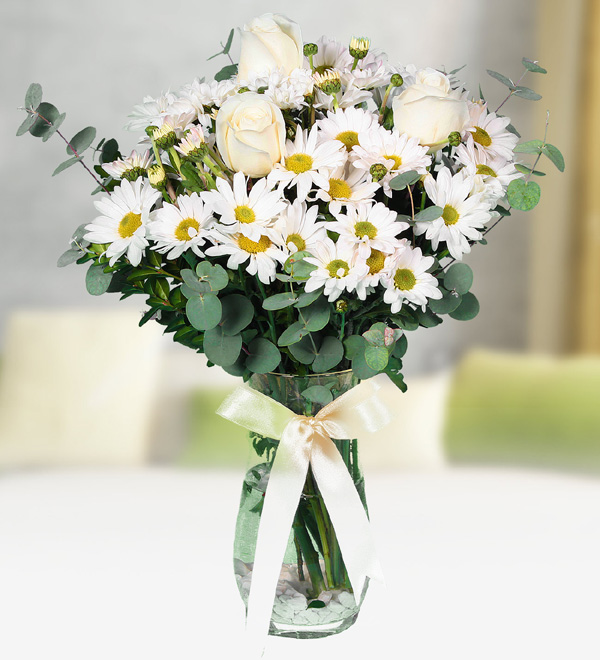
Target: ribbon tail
[(286, 481), (347, 514)]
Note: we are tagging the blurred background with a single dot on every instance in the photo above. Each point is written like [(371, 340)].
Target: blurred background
[(487, 496)]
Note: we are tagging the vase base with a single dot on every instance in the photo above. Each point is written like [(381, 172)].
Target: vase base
[(315, 631)]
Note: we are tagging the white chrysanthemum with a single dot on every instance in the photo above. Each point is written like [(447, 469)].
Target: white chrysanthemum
[(298, 228), (123, 220), (262, 255), (247, 213), (331, 55), (338, 269), (306, 163), (176, 230), (343, 189), (398, 153), (491, 175), (153, 112), (346, 125), (488, 132), (367, 227), (409, 281), (286, 92), (192, 141), (131, 167), (204, 95), (464, 214), (370, 72)]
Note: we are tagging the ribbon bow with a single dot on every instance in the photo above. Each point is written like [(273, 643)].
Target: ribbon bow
[(307, 441)]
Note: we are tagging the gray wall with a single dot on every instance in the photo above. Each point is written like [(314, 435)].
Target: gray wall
[(96, 60)]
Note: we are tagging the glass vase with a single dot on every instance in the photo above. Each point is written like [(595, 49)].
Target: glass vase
[(314, 597)]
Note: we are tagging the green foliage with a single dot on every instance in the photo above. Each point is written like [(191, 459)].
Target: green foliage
[(263, 356), (468, 308), (523, 195), (318, 394), (33, 96), (237, 314), (96, 280), (66, 164), (220, 348), (446, 304), (298, 268), (404, 180), (459, 278), (500, 78), (526, 93), (305, 350), (69, 257), (329, 356), (226, 72), (47, 122), (529, 147), (527, 170), (28, 122), (225, 48), (279, 301), (428, 214), (377, 357), (533, 66), (82, 140), (554, 154), (203, 311)]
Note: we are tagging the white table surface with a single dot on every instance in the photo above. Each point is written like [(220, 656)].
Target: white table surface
[(136, 565)]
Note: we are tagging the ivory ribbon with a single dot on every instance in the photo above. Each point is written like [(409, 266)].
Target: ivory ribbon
[(304, 442)]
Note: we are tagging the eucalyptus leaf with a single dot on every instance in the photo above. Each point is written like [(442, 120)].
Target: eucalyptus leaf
[(55, 126), (69, 257), (316, 316), (279, 301), (66, 164), (263, 356), (375, 335), (306, 299), (529, 147), (511, 129), (527, 170), (427, 318), (292, 334), (318, 394), (331, 353), (305, 350), (533, 66), (353, 345), (96, 280), (468, 308), (397, 378), (237, 313), (500, 78), (226, 72), (400, 347), (204, 311), (459, 278), (428, 214), (110, 151), (220, 348), (377, 357), (33, 96), (82, 140), (49, 112), (526, 93), (28, 122), (555, 156), (297, 267), (523, 195), (404, 180), (360, 367), (446, 304)]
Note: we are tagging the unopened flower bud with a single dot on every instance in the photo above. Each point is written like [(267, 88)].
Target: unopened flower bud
[(328, 81), (243, 89), (454, 139), (341, 306), (262, 90), (378, 171), (397, 80), (165, 136), (359, 47), (157, 177), (150, 130), (310, 49), (133, 173)]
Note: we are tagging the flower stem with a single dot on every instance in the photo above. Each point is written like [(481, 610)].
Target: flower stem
[(270, 316)]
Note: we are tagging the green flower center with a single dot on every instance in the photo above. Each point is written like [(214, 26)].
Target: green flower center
[(482, 137), (397, 161), (129, 224), (486, 171), (322, 68), (253, 247), (298, 163), (182, 232), (244, 214), (375, 262), (348, 138), (362, 229), (450, 215), (404, 279), (335, 266), (297, 240), (339, 189)]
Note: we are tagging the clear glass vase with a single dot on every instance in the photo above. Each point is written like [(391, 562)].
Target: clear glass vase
[(314, 597)]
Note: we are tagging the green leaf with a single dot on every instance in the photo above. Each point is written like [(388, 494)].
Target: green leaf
[(523, 196), (503, 79), (315, 605), (459, 278), (306, 299), (427, 318), (192, 285), (533, 66), (237, 313), (318, 394), (404, 180), (428, 214), (297, 267), (526, 93), (446, 304), (69, 257), (110, 151), (406, 319), (530, 147), (28, 122), (377, 357), (220, 348), (49, 112), (527, 170), (227, 46), (215, 275), (226, 72), (161, 288), (360, 367), (204, 311), (279, 301), (55, 126), (33, 96), (82, 140), (397, 378), (316, 316), (304, 350), (330, 354), (96, 280), (468, 308), (292, 334), (353, 345), (263, 356), (66, 164), (555, 156), (375, 335), (511, 129), (400, 347)]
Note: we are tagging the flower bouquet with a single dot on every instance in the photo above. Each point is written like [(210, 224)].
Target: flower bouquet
[(293, 220)]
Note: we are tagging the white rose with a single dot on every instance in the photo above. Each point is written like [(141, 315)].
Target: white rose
[(270, 42), (429, 109), (250, 133)]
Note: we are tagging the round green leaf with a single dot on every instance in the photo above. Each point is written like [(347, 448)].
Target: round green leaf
[(400, 347), (96, 280), (523, 196), (353, 345), (297, 267), (316, 316), (279, 301), (360, 367), (304, 350), (468, 308), (318, 394), (82, 140), (204, 311), (446, 304), (376, 357), (69, 257), (459, 278), (28, 122), (330, 354), (33, 97), (220, 348), (263, 356), (306, 299), (292, 334), (237, 313), (49, 112)]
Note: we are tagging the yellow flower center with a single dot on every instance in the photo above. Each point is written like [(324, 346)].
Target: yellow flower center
[(486, 171), (297, 240), (336, 266), (397, 160), (129, 224), (253, 247), (404, 279), (182, 232), (362, 229), (298, 163), (348, 138), (339, 189), (482, 137), (450, 215), (375, 262), (244, 214)]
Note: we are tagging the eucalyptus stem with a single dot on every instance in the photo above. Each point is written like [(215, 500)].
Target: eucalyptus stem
[(319, 518), (270, 316)]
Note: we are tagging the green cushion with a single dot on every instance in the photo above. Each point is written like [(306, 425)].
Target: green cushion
[(525, 410)]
